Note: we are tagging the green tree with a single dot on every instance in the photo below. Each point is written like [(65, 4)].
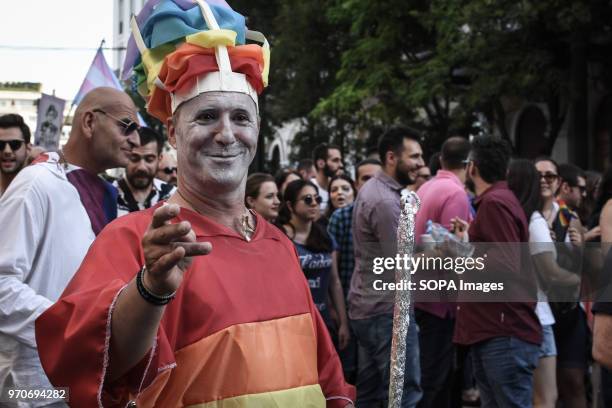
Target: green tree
[(441, 64), (306, 49)]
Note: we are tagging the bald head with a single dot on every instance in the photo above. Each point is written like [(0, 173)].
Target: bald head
[(455, 151), (100, 138), (110, 100)]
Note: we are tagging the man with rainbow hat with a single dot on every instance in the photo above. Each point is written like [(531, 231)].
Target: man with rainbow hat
[(196, 302)]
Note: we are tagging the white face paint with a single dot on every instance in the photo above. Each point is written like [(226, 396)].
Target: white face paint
[(216, 139)]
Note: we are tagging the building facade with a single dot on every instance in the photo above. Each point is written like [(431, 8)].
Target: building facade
[(122, 14)]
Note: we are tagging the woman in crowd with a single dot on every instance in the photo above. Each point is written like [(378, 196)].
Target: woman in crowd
[(571, 328), (317, 252), (262, 195), (341, 193), (532, 190), (589, 201)]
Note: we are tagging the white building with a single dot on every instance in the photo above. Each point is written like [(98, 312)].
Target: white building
[(122, 13), (22, 103), (25, 103)]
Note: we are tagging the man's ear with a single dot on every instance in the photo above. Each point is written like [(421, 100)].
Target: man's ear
[(320, 164), (171, 133), (472, 170), (88, 124), (390, 158)]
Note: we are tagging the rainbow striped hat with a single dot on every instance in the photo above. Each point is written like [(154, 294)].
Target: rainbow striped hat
[(182, 48)]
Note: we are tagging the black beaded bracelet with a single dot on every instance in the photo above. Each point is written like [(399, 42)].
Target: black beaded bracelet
[(148, 295)]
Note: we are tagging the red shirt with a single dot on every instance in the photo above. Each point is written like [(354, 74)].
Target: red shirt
[(242, 326), (499, 218)]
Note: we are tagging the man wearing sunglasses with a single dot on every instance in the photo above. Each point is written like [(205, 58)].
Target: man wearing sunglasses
[(50, 214), (14, 147), (167, 169), (570, 328)]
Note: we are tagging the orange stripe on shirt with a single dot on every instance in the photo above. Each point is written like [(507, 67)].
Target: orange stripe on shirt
[(243, 359)]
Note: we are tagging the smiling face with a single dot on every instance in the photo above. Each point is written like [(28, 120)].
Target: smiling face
[(549, 178), (408, 162), (142, 166), (341, 193), (12, 160), (215, 135), (110, 142), (267, 201)]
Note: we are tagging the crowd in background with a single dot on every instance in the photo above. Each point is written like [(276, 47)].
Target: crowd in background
[(550, 203), (495, 354)]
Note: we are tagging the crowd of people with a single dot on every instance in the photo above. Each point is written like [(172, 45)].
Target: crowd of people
[(495, 354), (517, 353), (187, 281)]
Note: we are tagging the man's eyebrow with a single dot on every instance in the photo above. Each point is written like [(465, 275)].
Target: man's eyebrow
[(242, 109)]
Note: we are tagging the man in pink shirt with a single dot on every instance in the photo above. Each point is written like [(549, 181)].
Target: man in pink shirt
[(442, 199)]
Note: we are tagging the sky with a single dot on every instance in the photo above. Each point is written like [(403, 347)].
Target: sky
[(60, 23)]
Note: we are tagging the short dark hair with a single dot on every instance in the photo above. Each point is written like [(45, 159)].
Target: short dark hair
[(320, 152), (148, 135), (305, 164), (569, 173), (491, 156), (12, 120), (455, 151), (364, 163), (393, 140)]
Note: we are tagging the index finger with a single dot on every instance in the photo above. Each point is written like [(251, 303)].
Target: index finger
[(164, 214)]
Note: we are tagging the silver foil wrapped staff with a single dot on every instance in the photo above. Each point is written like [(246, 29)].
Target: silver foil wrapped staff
[(401, 314)]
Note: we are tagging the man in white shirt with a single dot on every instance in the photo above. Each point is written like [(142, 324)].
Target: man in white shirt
[(50, 215), (327, 161)]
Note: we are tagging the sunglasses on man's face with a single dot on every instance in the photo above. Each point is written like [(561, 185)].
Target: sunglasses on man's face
[(169, 170), (309, 199), (13, 144), (127, 125)]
